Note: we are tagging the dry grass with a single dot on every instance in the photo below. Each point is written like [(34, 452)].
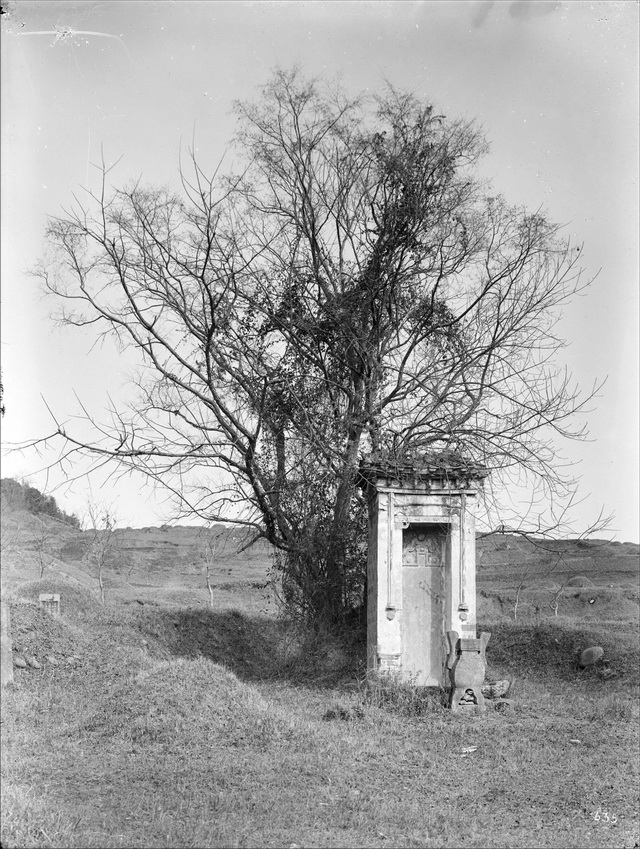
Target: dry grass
[(182, 725), (192, 727)]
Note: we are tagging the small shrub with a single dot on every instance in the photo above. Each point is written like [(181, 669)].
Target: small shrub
[(348, 714), (325, 655)]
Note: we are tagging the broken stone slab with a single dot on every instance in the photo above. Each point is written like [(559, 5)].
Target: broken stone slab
[(501, 705)]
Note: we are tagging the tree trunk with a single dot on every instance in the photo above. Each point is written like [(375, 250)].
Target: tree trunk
[(210, 588), (335, 559)]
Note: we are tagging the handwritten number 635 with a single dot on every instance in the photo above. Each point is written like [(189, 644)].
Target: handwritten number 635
[(604, 816)]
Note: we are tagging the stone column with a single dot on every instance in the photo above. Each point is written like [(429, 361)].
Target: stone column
[(5, 645)]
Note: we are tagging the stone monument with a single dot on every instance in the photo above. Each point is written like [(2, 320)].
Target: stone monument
[(467, 666), (50, 602), (421, 563)]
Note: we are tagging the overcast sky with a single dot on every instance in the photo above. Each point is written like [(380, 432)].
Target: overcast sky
[(555, 86)]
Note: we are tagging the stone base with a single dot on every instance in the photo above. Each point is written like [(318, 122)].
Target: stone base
[(467, 698)]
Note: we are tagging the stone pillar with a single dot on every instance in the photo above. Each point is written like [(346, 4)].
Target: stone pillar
[(6, 663), (421, 567)]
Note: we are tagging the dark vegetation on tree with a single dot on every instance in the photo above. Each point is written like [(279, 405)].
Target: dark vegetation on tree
[(354, 292), (26, 497)]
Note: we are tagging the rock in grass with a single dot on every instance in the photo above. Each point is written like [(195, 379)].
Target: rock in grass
[(51, 660), (33, 663), (496, 690), (590, 656), (20, 662)]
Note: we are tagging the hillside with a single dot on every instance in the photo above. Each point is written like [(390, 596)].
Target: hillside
[(501, 559), (154, 720), (167, 565), (154, 565)]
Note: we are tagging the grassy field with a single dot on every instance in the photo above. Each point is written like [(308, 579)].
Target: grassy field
[(167, 723)]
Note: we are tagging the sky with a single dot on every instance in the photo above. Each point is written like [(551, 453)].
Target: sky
[(553, 84)]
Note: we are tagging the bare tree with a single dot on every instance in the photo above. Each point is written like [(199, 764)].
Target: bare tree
[(556, 592), (101, 524), (554, 553), (356, 290), (212, 550), (43, 538)]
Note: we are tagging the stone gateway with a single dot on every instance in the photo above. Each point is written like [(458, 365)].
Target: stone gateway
[(421, 564)]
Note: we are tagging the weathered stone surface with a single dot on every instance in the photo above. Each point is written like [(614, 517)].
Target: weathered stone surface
[(51, 660), (590, 656), (496, 689), (466, 665), (33, 663), (421, 564), (5, 644), (502, 705), (50, 602), (20, 662)]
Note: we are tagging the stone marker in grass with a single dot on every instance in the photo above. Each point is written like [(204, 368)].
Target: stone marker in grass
[(50, 602)]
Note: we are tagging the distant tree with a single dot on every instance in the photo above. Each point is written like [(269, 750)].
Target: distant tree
[(8, 539), (354, 291), (554, 554), (43, 541), (31, 499), (212, 550), (101, 525), (12, 494)]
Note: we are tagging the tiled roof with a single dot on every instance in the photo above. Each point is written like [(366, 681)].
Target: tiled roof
[(427, 466)]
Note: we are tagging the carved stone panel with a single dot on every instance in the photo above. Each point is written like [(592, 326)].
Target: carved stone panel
[(423, 550), (422, 546)]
